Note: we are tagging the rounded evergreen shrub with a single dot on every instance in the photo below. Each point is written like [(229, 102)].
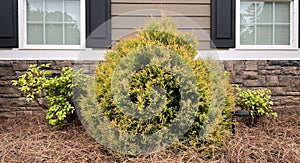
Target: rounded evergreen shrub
[(151, 84)]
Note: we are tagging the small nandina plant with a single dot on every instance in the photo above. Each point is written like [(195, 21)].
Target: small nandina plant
[(58, 91), (257, 102)]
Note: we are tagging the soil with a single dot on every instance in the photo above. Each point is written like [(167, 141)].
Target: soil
[(31, 139)]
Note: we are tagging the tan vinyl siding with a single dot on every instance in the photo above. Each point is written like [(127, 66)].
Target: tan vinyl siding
[(127, 18), (164, 1), (184, 9), (120, 33)]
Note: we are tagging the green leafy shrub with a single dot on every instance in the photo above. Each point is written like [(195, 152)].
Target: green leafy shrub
[(58, 91), (257, 102), (209, 76)]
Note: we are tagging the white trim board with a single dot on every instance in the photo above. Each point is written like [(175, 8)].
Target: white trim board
[(238, 54), (17, 54), (93, 54)]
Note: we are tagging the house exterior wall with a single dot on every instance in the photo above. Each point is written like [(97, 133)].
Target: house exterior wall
[(282, 77)]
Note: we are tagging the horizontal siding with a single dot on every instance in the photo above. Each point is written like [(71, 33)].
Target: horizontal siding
[(183, 9), (139, 22), (202, 45), (202, 35), (163, 1), (191, 15)]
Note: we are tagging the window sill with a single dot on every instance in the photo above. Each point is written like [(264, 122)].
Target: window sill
[(253, 54), (98, 54), (52, 47), (52, 54), (266, 49)]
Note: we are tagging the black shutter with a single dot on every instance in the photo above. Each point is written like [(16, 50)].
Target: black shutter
[(223, 23), (98, 25), (8, 23)]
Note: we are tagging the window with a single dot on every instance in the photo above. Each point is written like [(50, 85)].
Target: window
[(57, 24), (266, 23)]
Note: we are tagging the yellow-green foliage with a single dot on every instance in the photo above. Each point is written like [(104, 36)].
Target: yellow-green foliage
[(57, 90), (257, 102), (164, 33)]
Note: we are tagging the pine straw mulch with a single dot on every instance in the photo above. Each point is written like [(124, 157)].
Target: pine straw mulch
[(31, 139)]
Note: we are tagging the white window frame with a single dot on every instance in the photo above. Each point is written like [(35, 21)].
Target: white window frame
[(23, 30), (293, 30)]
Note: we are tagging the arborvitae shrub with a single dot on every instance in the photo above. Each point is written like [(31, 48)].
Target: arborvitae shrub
[(213, 91)]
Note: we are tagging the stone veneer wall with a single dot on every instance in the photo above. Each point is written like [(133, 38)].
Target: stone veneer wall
[(12, 103), (282, 77)]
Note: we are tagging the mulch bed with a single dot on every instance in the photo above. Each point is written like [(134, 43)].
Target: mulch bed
[(272, 140), (31, 139)]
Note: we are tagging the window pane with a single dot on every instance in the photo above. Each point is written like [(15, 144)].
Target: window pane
[(247, 35), (54, 10), (247, 12), (72, 11), (264, 35), (282, 12), (54, 34), (282, 36), (56, 20), (34, 10), (265, 22), (72, 35), (264, 12), (35, 34)]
